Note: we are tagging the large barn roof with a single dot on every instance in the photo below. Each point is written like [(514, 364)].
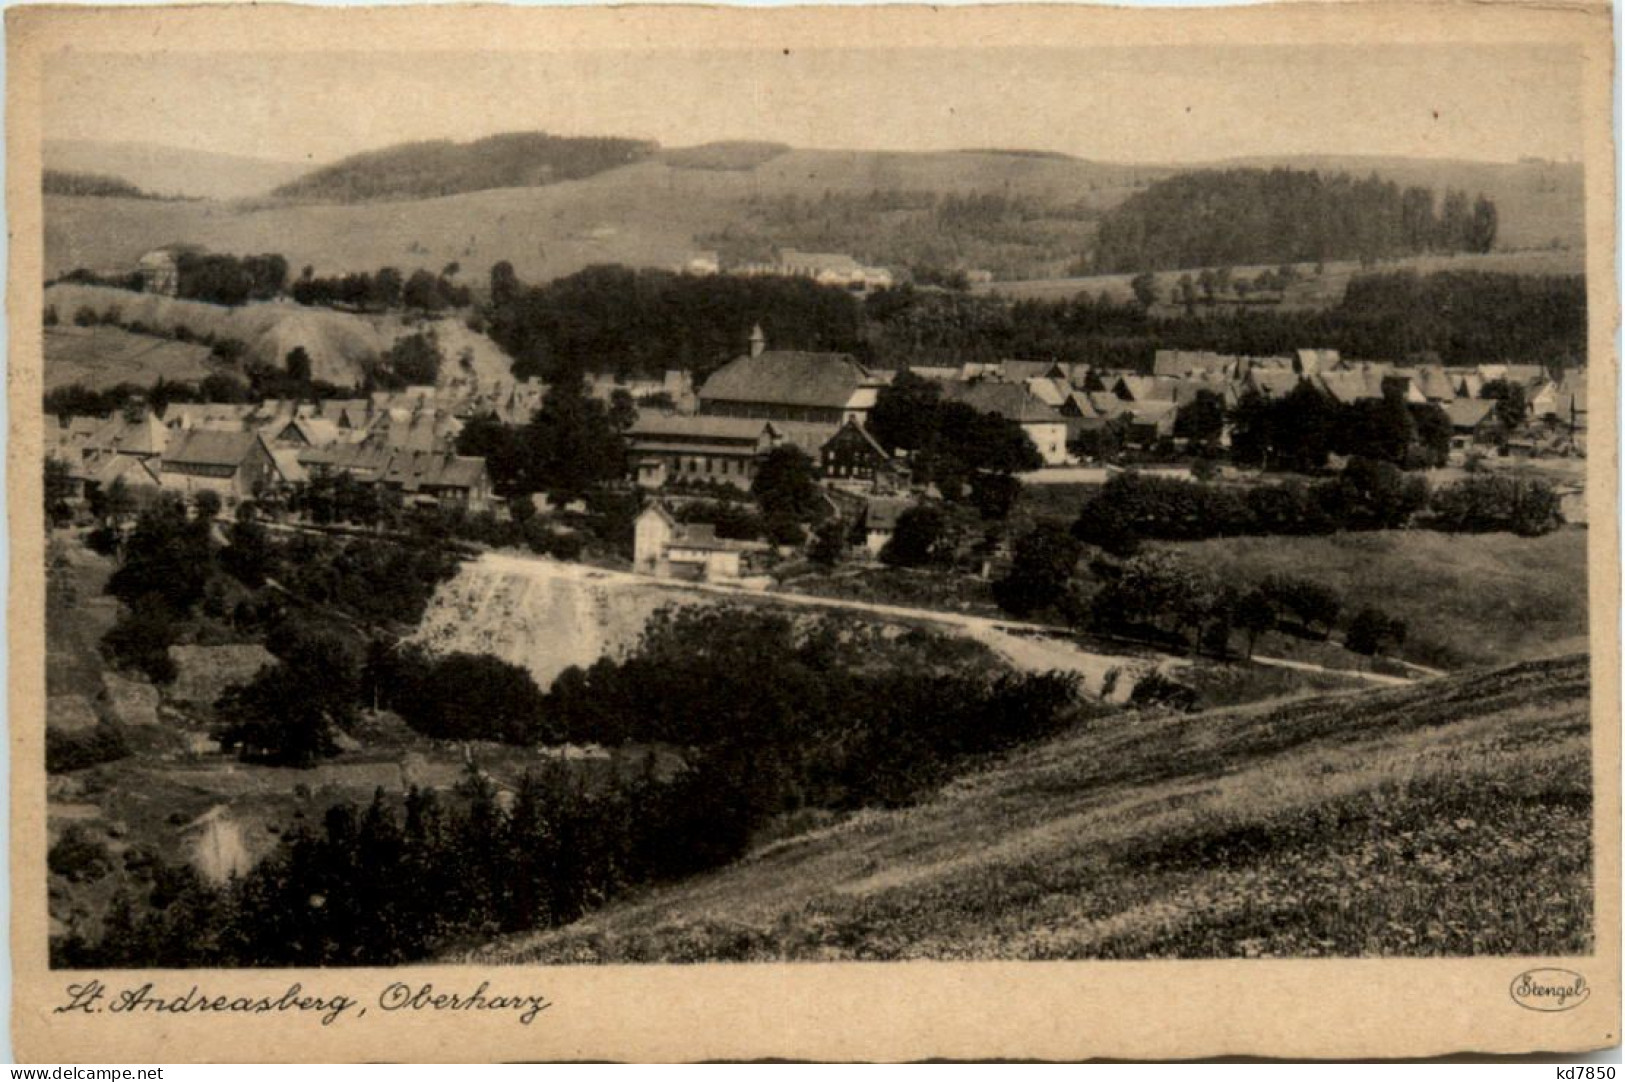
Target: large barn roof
[(208, 447), (787, 378)]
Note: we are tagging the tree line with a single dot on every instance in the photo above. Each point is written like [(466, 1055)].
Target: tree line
[(1449, 317), (230, 280), (644, 322), (1366, 495), (952, 445), (1301, 430), (383, 290), (1251, 216)]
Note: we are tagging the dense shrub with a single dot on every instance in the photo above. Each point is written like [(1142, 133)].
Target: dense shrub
[(68, 751), (1155, 689), (78, 856), (1372, 630), (918, 539), (1040, 571), (141, 637), (1486, 502), (461, 696), (1366, 495), (289, 712)]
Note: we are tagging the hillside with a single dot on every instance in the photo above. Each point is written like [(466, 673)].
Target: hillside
[(661, 210), (651, 213), (102, 357), (162, 170), (442, 167), (1445, 818)]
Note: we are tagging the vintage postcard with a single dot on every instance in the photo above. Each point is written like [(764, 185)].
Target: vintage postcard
[(870, 533)]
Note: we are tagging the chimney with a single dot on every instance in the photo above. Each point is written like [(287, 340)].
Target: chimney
[(758, 341)]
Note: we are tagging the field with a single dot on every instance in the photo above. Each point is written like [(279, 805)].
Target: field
[(1469, 599), (339, 344), (1442, 819), (650, 213), (646, 214), (101, 357)]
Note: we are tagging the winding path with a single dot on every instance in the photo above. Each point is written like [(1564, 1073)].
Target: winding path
[(1030, 646)]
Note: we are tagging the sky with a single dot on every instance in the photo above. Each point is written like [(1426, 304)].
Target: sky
[(1135, 104)]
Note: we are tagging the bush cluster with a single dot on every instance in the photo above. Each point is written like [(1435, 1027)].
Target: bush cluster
[(770, 719)]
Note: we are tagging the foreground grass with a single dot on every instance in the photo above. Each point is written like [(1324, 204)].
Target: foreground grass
[(1469, 599), (1446, 818)]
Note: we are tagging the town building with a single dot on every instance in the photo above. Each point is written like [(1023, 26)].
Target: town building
[(790, 385), (439, 477), (1044, 425), (852, 455), (1472, 421), (662, 448), (664, 547)]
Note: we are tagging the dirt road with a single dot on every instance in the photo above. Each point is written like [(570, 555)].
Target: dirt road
[(1028, 646)]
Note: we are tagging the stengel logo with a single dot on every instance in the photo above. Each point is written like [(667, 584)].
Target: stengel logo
[(1549, 990)]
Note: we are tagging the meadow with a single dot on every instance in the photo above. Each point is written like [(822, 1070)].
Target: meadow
[(654, 212), (1468, 599), (105, 356)]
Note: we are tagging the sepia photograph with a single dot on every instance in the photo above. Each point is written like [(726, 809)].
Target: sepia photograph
[(509, 501)]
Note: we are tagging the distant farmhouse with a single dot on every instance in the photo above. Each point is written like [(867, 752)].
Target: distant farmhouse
[(825, 268)]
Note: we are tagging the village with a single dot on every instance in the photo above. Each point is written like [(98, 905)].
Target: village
[(637, 570), (684, 442)]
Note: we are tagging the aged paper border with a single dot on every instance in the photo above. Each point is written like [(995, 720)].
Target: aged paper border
[(882, 1011)]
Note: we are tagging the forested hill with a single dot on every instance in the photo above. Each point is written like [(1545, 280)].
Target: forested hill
[(62, 182), (442, 167), (1250, 216)]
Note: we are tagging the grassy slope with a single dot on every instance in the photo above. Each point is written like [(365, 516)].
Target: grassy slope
[(1468, 599), (77, 615), (339, 343), (644, 214), (1446, 818)]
